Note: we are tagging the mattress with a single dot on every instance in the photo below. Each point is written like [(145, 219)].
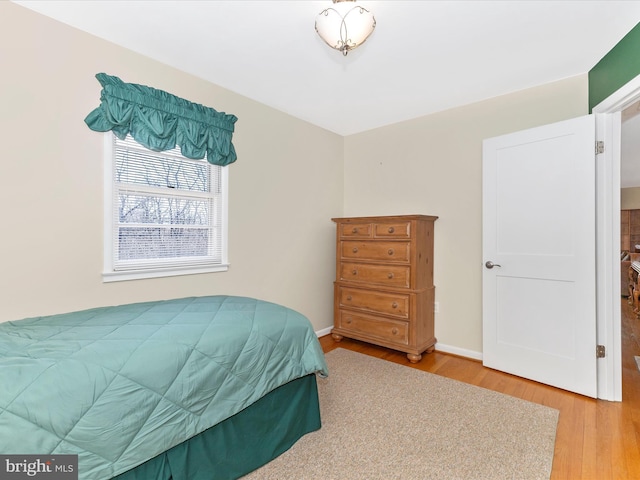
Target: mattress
[(119, 385), (243, 442)]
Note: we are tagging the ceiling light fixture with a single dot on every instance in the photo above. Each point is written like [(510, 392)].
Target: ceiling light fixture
[(345, 26)]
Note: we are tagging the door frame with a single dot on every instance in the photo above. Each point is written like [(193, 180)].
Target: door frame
[(608, 323)]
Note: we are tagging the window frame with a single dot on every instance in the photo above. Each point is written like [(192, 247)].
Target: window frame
[(109, 273)]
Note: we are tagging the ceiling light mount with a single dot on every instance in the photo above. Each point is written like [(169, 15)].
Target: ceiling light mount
[(345, 26)]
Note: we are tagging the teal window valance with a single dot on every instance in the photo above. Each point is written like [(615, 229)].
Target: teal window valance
[(160, 121)]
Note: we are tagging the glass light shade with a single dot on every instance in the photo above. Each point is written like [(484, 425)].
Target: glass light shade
[(345, 26)]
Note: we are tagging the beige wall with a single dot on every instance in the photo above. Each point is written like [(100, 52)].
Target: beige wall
[(629, 198), (433, 165), (284, 188), (290, 179)]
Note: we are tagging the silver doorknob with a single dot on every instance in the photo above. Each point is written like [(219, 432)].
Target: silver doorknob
[(490, 265)]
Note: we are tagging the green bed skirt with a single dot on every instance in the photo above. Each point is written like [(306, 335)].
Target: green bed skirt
[(242, 443)]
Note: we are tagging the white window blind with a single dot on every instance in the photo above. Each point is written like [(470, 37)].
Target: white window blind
[(167, 210)]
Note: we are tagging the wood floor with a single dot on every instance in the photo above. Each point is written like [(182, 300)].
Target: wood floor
[(596, 439)]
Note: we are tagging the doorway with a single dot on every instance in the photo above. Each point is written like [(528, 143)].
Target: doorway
[(609, 328), (630, 238)]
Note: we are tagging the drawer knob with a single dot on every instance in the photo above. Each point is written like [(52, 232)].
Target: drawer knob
[(348, 319), (390, 251), (354, 271), (355, 230), (390, 275), (394, 304), (348, 298), (394, 331), (355, 249), (391, 229)]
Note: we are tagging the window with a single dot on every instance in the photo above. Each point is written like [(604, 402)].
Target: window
[(164, 214)]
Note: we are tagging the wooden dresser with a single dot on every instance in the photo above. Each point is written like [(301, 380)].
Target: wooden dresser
[(629, 230), (384, 292)]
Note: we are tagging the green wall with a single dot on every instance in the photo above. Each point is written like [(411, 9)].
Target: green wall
[(616, 68)]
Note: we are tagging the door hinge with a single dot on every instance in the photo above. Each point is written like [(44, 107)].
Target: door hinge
[(600, 351), (599, 147)]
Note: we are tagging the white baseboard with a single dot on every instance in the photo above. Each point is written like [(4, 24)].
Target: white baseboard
[(462, 352), (323, 332)]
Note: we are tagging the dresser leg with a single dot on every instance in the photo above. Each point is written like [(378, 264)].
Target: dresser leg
[(336, 337), (431, 349), (413, 358)]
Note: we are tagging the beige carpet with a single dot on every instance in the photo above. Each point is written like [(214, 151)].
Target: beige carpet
[(382, 420)]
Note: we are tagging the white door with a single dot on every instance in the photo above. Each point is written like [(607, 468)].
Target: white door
[(539, 300)]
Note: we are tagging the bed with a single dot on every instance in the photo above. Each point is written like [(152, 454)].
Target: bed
[(192, 388)]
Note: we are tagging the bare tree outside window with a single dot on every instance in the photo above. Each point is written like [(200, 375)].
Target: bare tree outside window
[(167, 205)]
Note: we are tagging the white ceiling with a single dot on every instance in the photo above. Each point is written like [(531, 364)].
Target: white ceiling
[(424, 56)]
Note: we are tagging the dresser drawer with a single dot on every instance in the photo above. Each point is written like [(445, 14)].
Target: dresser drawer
[(355, 229), (380, 251), (395, 304), (392, 230), (389, 275), (395, 331)]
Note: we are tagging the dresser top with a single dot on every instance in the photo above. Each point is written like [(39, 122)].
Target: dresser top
[(385, 218)]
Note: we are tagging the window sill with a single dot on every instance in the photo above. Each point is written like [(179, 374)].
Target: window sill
[(122, 276)]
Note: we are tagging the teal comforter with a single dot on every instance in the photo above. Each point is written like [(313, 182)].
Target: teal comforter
[(119, 385)]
